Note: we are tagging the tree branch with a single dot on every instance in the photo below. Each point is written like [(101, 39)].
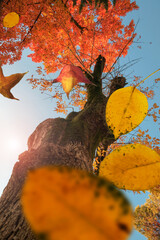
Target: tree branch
[(96, 90), (73, 20), (119, 56), (32, 25)]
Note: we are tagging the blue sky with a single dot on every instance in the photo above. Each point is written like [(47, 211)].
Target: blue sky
[(20, 118)]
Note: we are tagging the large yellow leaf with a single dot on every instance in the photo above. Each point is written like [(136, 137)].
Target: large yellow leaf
[(11, 19), (132, 167), (125, 110), (73, 205)]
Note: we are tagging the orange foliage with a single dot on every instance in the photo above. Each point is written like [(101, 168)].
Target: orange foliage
[(154, 111), (50, 23), (156, 80), (143, 137), (58, 35)]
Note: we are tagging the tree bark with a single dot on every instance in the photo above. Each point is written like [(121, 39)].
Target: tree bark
[(70, 142)]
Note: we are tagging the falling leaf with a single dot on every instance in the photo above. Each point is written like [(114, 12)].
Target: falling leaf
[(11, 19), (133, 167), (6, 83), (70, 204), (69, 76), (125, 110)]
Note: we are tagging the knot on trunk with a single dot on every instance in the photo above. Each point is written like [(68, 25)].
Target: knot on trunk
[(117, 83)]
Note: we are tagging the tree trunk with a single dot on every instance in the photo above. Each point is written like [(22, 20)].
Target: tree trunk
[(69, 142)]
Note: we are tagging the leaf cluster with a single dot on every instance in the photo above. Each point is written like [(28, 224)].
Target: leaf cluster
[(97, 3)]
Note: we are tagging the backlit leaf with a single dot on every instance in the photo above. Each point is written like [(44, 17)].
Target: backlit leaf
[(132, 167), (11, 19), (69, 76), (125, 110), (71, 204)]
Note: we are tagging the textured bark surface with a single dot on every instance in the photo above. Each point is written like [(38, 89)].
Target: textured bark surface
[(69, 142)]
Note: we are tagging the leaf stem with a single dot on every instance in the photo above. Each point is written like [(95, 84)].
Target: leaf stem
[(147, 77)]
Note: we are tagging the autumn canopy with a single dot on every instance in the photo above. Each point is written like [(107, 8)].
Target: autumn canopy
[(81, 37), (83, 43)]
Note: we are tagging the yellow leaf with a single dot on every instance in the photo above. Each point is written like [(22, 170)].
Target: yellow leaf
[(68, 84), (11, 19), (68, 204), (133, 167), (125, 110)]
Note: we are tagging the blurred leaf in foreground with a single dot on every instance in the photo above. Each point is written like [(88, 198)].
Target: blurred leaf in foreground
[(71, 204)]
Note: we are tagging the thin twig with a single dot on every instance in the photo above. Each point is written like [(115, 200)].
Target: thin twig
[(147, 77), (118, 56), (121, 51), (132, 62), (32, 25), (92, 47)]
